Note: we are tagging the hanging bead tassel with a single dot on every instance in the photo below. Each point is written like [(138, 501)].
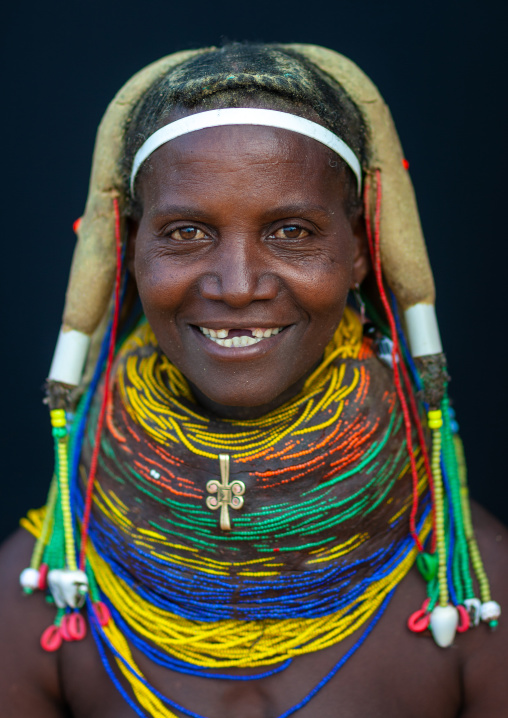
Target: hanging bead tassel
[(488, 610), (444, 618), (68, 585), (435, 422), (54, 565), (59, 424)]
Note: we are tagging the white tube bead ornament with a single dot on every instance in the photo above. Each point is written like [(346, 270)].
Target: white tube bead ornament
[(69, 357)]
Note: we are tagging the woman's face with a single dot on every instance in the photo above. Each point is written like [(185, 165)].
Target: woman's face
[(243, 258)]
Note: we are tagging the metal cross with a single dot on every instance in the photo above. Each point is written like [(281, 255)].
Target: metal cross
[(228, 494)]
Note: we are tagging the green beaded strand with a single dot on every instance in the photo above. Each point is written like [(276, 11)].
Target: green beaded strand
[(474, 551)]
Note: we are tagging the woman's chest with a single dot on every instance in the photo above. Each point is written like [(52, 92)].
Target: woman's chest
[(394, 673)]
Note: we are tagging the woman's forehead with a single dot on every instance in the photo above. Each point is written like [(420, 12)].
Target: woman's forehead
[(255, 155)]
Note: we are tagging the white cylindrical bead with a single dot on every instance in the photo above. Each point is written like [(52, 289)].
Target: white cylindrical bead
[(423, 330), (69, 357)]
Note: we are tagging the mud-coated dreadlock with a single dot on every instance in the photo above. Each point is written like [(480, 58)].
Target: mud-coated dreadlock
[(249, 75)]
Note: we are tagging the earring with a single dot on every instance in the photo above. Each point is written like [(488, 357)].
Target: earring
[(359, 302)]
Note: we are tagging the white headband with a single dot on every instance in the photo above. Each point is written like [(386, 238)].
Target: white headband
[(246, 116)]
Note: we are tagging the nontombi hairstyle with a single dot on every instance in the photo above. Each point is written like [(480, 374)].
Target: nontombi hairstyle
[(248, 75)]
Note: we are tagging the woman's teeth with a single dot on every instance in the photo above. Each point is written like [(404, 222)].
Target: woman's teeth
[(220, 336)]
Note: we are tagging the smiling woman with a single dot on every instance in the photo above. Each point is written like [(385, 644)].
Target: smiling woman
[(256, 464), (279, 263)]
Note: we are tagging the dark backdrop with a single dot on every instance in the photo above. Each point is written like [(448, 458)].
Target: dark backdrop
[(441, 67)]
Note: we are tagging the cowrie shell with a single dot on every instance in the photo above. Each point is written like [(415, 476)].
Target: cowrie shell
[(443, 624)]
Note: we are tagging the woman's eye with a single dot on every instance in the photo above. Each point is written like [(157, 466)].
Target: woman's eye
[(291, 231), (183, 233)]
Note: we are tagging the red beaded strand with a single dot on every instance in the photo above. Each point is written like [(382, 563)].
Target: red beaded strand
[(374, 242), (102, 413)]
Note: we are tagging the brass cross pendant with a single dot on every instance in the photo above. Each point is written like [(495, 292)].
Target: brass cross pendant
[(228, 494)]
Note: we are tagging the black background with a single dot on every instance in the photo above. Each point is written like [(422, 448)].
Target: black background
[(441, 66)]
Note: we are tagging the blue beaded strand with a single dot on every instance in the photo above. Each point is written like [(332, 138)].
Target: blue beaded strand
[(207, 598), (102, 641)]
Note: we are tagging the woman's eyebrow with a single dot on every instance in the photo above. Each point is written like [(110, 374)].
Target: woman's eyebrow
[(180, 210), (298, 209), (196, 211)]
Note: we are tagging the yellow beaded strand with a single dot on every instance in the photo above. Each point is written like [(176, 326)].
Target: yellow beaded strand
[(435, 422), (47, 525), (59, 423), (153, 705), (143, 386), (296, 632), (232, 643)]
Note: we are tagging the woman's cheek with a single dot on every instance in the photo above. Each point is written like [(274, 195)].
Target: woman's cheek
[(160, 286), (326, 292)]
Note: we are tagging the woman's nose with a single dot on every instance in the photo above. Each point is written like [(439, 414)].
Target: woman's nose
[(240, 275)]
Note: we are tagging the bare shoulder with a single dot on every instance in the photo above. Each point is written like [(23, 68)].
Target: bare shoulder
[(485, 651), (29, 682)]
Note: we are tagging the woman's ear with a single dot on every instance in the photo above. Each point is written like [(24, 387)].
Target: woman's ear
[(361, 260), (130, 250)]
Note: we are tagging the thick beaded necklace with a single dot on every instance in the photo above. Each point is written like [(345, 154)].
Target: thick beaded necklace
[(294, 575)]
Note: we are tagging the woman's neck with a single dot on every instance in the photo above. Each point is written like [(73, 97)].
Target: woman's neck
[(244, 413)]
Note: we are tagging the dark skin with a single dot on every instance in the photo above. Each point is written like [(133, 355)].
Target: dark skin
[(254, 236), (233, 256)]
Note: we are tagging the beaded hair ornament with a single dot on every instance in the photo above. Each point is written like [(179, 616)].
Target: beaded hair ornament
[(400, 262)]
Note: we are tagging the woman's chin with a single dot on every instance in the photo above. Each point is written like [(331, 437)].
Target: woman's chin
[(241, 401)]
